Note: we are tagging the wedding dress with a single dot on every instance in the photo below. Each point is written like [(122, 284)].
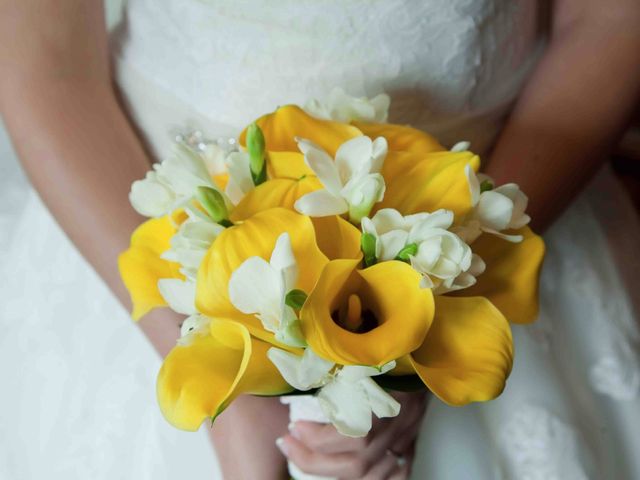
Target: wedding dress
[(78, 377)]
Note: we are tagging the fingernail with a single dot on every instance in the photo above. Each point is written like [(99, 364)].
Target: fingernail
[(281, 445), (293, 431)]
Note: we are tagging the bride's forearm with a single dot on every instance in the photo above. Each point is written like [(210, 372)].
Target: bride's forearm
[(71, 135), (82, 155), (245, 438), (575, 106)]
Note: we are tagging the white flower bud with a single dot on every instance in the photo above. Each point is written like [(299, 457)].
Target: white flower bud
[(151, 197), (171, 184), (442, 256), (362, 193), (190, 244), (494, 209)]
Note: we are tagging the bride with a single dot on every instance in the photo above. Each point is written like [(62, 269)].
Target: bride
[(78, 378)]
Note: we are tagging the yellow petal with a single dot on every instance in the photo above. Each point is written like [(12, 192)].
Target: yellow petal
[(389, 290), (279, 192), (255, 237), (141, 266), (282, 126), (337, 238), (401, 137), (438, 181), (398, 163), (287, 165), (511, 279), (468, 352), (199, 380)]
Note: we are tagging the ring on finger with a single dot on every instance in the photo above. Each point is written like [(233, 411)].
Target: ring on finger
[(400, 459)]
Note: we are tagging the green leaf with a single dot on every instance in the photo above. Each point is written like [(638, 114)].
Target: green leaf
[(368, 246), (295, 299), (485, 186), (400, 383), (408, 251)]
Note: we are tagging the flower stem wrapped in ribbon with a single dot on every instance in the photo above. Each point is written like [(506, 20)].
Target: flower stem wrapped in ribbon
[(334, 255)]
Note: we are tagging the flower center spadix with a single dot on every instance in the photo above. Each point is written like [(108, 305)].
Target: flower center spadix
[(352, 317)]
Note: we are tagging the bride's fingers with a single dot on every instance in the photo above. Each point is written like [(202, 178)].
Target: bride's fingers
[(401, 474), (383, 469), (397, 435), (403, 469), (324, 438), (342, 465), (397, 440)]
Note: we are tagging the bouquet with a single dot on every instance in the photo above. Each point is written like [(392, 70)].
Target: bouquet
[(327, 252)]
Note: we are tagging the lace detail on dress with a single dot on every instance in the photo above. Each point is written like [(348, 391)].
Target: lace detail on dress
[(442, 62), (539, 446), (618, 373)]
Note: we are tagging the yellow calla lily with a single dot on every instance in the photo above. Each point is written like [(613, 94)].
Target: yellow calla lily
[(288, 165), (383, 302), (404, 366), (397, 163), (467, 354), (141, 266), (255, 237), (281, 128), (279, 192), (200, 379), (401, 137), (337, 238), (511, 278), (438, 181)]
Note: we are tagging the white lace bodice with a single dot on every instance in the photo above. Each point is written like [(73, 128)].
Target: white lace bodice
[(452, 67)]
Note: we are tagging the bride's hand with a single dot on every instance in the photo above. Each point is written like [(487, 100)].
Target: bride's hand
[(385, 453)]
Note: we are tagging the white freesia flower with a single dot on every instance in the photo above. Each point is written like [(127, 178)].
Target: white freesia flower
[(171, 184), (194, 325), (341, 107), (180, 295), (260, 288), (151, 197), (464, 279), (301, 372), (348, 396), (494, 209), (391, 230), (442, 257), (214, 157), (353, 182), (240, 180), (352, 396), (191, 242)]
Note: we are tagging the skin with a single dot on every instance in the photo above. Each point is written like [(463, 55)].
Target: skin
[(75, 142)]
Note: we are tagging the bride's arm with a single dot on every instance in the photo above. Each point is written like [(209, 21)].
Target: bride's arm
[(575, 106), (82, 155)]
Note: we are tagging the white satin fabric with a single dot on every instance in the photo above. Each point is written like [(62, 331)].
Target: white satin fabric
[(78, 378)]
